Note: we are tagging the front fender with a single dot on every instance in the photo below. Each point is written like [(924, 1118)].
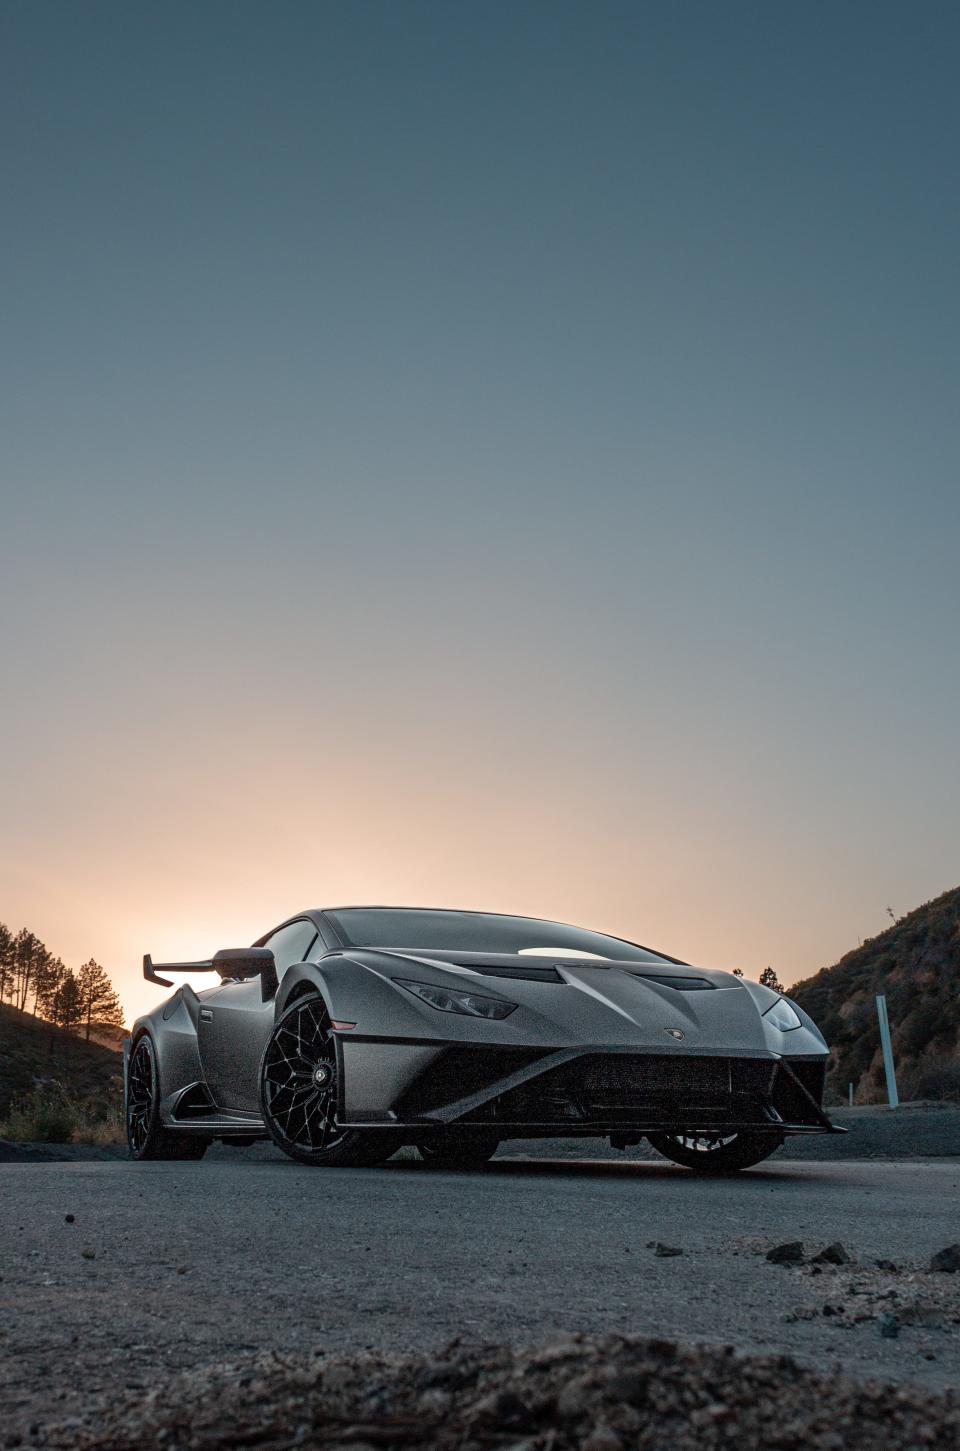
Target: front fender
[(355, 995), (805, 1041)]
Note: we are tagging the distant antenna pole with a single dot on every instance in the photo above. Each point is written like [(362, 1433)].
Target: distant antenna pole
[(850, 1093), (887, 1047)]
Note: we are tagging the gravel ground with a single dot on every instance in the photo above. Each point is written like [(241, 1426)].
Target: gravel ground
[(116, 1277), (593, 1395)]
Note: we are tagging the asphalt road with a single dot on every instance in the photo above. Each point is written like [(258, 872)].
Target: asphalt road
[(167, 1264)]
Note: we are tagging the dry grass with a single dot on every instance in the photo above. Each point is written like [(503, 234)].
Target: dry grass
[(53, 1116)]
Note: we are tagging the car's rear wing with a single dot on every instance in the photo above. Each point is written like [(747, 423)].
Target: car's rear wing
[(151, 974), (232, 963)]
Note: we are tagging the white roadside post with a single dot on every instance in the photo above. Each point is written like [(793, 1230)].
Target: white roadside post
[(887, 1048)]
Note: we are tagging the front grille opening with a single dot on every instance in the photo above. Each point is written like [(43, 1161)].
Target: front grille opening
[(617, 1090), (790, 1102), (460, 1072), (628, 1088)]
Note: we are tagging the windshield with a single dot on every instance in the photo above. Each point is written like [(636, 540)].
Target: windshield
[(410, 928)]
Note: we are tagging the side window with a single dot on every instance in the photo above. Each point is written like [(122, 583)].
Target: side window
[(289, 944)]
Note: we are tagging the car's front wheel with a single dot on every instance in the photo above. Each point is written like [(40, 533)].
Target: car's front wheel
[(299, 1092), (716, 1153), (146, 1136)]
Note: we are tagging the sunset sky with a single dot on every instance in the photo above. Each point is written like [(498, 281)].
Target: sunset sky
[(479, 454)]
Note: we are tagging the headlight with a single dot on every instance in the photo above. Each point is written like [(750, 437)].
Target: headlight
[(782, 1016), (470, 1004)]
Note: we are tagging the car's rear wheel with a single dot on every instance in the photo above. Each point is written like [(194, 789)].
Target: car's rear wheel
[(453, 1150), (146, 1136), (299, 1092), (716, 1153)]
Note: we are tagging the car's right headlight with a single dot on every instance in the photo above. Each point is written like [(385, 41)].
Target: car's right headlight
[(781, 1015), (471, 1004)]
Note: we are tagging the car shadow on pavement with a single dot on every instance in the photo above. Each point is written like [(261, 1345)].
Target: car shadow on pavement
[(609, 1169)]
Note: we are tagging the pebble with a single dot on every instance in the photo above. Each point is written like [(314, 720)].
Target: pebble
[(602, 1438), (889, 1325), (69, 1218), (664, 1251)]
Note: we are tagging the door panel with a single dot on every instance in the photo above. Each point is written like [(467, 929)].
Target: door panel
[(233, 1030)]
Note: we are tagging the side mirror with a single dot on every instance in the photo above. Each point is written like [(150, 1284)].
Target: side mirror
[(247, 962)]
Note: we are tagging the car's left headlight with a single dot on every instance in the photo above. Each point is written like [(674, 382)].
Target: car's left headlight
[(781, 1015), (471, 1004)]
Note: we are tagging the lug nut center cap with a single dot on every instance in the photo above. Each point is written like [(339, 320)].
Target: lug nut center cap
[(321, 1075)]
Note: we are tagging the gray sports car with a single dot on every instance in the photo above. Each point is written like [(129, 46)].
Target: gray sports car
[(347, 1032)]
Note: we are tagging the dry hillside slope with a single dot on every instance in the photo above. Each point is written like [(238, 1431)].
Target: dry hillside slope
[(916, 962), (34, 1053)]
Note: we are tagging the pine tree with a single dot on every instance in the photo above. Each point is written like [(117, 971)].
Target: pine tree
[(46, 983), (66, 1008), (769, 978), (29, 960), (98, 1000), (6, 962)]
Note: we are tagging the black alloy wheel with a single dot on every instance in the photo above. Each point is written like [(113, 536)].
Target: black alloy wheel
[(300, 1091), (451, 1149), (146, 1136), (708, 1153)]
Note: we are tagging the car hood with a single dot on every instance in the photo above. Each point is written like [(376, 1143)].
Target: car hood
[(580, 1002)]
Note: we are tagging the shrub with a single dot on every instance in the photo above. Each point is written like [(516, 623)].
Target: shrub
[(45, 1116), (52, 1116), (937, 1078)]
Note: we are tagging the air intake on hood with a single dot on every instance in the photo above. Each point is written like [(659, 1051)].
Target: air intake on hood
[(476, 963), (679, 984)]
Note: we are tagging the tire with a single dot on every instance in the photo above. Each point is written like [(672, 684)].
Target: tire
[(716, 1154), (146, 1136), (459, 1150), (299, 1092)]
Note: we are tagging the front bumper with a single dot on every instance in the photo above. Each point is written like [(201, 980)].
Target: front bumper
[(596, 1090)]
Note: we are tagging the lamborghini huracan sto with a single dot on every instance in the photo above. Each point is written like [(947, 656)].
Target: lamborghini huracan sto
[(347, 1032)]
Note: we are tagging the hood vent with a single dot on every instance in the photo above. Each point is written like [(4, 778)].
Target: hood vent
[(678, 983), (487, 967)]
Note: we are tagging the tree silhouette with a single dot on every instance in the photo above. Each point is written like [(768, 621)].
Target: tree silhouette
[(769, 978), (47, 981), (29, 960), (98, 1000), (66, 1005), (6, 962)]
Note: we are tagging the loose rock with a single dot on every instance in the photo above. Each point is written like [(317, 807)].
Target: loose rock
[(946, 1261), (832, 1254), (790, 1253)]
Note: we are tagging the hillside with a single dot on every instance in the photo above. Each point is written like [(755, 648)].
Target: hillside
[(33, 1052), (916, 962)]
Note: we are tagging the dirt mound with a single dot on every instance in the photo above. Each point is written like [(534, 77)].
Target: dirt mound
[(574, 1392)]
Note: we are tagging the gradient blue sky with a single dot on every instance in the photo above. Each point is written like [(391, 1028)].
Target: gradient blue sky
[(491, 455)]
